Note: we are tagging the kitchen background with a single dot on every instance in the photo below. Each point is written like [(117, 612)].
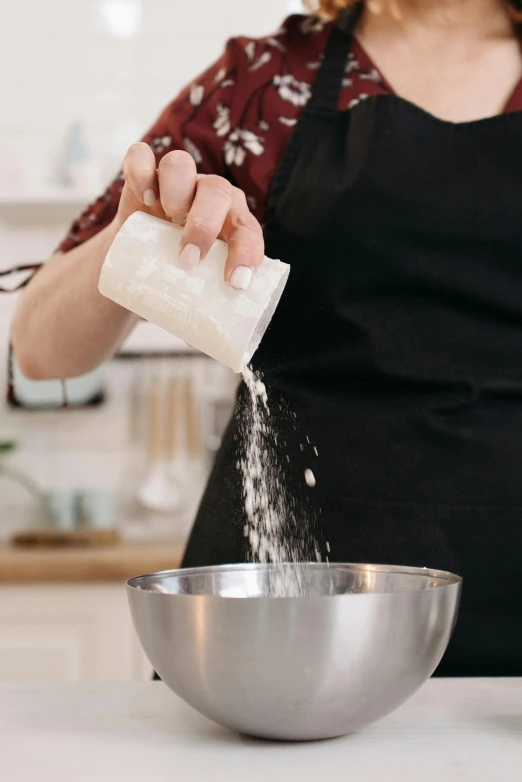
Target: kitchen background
[(125, 467)]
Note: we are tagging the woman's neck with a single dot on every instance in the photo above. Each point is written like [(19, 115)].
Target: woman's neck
[(477, 18), (458, 59)]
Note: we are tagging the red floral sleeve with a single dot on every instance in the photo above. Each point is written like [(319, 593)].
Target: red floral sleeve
[(237, 117), (188, 123)]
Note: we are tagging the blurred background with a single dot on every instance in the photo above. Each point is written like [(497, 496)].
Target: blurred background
[(108, 488)]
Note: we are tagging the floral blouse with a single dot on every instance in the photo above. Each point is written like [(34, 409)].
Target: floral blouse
[(237, 117)]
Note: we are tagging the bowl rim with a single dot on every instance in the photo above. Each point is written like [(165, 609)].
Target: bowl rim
[(450, 579)]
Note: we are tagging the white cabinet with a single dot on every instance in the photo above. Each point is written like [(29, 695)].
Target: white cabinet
[(68, 633)]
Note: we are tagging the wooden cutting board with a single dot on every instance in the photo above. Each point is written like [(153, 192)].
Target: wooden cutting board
[(45, 538), (88, 563)]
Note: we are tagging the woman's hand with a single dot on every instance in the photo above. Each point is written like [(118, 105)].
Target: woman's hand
[(209, 207)]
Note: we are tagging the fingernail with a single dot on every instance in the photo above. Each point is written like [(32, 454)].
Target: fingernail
[(190, 256), (149, 197), (241, 277)]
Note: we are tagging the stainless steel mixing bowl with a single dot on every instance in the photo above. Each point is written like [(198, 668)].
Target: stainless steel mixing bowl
[(358, 643)]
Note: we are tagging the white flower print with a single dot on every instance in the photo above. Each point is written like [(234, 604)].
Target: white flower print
[(192, 149), (227, 83), (372, 75), (277, 44), (234, 153), (220, 75), (357, 100), (160, 143), (263, 60), (250, 50), (86, 221), (196, 94), (239, 143), (222, 122), (296, 92), (352, 64), (288, 121), (312, 24), (314, 65), (263, 125)]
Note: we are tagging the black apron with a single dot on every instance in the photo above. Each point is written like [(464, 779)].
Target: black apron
[(396, 352)]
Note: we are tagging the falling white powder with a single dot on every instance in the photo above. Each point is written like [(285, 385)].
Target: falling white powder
[(269, 509), (261, 488), (310, 478)]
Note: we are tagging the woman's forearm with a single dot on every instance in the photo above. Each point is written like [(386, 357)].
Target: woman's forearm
[(63, 327)]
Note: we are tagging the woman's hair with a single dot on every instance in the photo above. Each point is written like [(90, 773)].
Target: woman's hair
[(332, 8)]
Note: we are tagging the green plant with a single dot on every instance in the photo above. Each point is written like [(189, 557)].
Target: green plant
[(6, 446)]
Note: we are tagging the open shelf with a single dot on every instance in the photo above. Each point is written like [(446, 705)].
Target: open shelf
[(53, 196)]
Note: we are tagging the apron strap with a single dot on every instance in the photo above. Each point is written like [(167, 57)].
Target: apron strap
[(328, 85)]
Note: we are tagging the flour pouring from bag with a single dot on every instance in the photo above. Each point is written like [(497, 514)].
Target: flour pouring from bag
[(142, 273)]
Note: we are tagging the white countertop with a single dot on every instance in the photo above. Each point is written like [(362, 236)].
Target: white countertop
[(451, 731)]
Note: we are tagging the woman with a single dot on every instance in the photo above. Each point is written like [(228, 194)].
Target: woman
[(381, 153)]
